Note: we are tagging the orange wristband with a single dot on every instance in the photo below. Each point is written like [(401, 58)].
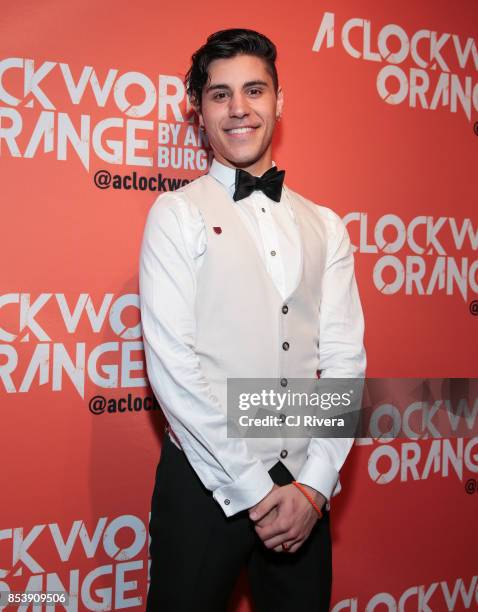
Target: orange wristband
[(302, 490)]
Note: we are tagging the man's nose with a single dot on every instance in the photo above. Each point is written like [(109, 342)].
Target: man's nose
[(238, 105)]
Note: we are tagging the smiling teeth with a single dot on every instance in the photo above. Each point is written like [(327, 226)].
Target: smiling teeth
[(240, 130)]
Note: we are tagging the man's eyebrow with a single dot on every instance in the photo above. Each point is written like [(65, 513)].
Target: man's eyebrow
[(247, 84)]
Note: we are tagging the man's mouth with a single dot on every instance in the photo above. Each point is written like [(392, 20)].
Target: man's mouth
[(241, 130)]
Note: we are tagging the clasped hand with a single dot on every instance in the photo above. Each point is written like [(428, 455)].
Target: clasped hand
[(286, 516)]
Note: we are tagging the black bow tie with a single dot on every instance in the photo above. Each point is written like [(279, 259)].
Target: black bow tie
[(270, 183)]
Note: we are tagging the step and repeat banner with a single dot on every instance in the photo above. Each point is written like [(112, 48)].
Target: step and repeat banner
[(380, 124)]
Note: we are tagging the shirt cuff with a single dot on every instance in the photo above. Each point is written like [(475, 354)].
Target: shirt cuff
[(319, 475), (246, 491)]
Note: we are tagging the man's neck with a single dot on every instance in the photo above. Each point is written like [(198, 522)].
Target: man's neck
[(256, 169)]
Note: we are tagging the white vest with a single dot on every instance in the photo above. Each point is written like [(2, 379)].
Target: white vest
[(245, 329)]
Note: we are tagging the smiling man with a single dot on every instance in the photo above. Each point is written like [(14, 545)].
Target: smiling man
[(241, 139), (241, 277)]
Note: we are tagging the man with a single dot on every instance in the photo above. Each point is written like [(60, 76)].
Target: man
[(242, 278)]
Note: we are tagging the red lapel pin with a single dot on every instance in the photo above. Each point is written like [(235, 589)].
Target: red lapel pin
[(217, 229)]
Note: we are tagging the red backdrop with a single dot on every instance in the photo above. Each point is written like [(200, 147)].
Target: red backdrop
[(380, 124)]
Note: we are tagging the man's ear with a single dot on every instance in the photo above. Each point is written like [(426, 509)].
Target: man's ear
[(280, 102), (194, 106), (200, 117)]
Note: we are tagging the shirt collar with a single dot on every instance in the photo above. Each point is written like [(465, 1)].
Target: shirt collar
[(225, 175)]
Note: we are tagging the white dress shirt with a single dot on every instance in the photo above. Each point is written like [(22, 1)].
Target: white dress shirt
[(174, 243)]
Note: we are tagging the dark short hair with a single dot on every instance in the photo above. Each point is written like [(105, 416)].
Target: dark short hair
[(227, 44)]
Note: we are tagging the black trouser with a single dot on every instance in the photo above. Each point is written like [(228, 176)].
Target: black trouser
[(197, 552)]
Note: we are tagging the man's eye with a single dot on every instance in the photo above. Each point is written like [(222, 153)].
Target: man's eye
[(219, 95), (255, 91)]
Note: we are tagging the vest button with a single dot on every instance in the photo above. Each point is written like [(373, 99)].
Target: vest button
[(285, 309), (283, 382), (285, 346), (227, 502), (273, 253), (283, 454)]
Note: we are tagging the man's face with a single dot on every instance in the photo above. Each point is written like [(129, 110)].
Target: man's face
[(239, 111)]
